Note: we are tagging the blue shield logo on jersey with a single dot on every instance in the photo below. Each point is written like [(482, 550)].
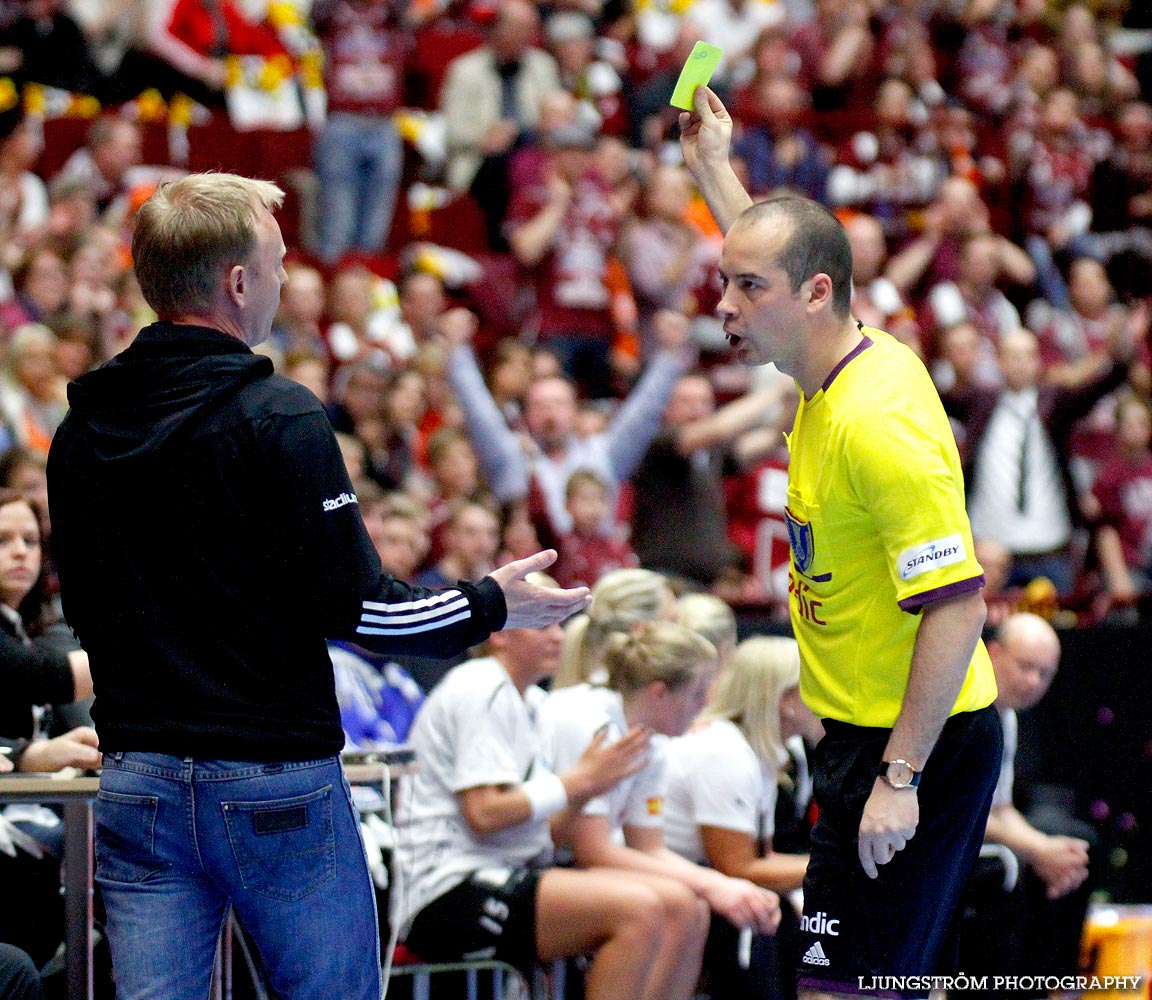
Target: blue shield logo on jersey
[(801, 540)]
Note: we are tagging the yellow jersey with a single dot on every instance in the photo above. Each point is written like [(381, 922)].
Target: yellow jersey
[(878, 529)]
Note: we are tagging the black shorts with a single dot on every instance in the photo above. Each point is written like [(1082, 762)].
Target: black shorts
[(904, 922), (491, 914)]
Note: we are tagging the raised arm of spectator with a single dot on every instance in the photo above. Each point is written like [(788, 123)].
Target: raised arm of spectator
[(1078, 401), (638, 420), (731, 421), (706, 140), (165, 43), (1015, 264), (532, 239), (851, 47), (497, 445), (906, 268)]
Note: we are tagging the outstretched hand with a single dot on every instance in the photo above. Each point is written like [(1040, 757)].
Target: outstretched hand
[(705, 132), (531, 605)]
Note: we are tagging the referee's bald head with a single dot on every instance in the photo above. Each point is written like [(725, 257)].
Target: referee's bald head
[(814, 243)]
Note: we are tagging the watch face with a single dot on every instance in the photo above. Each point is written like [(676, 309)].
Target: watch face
[(900, 774)]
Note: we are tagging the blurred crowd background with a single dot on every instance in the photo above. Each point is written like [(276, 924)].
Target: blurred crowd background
[(502, 281)]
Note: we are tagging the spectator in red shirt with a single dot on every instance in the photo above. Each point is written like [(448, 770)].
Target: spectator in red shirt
[(563, 232), (835, 53), (958, 212), (892, 167), (359, 155), (590, 549), (1054, 166), (974, 296), (196, 37)]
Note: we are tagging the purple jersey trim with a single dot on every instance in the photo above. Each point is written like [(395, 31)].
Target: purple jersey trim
[(917, 601), (855, 352), (852, 989)]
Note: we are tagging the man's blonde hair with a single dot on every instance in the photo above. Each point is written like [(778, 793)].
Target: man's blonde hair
[(191, 230)]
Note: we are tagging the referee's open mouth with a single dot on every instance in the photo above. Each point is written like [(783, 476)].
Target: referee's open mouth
[(734, 339)]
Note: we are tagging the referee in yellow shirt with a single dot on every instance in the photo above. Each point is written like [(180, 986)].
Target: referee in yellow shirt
[(886, 594)]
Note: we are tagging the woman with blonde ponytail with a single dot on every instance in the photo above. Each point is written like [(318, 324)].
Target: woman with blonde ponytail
[(621, 600), (723, 777), (657, 675)]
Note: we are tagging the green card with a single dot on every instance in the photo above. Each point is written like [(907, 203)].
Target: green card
[(697, 71)]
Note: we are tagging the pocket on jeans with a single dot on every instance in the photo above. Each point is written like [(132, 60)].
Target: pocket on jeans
[(125, 836), (284, 848)]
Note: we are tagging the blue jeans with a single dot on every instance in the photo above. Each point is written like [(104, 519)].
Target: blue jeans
[(358, 160), (178, 841)]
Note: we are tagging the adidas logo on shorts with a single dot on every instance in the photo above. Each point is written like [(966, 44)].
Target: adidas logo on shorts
[(815, 956)]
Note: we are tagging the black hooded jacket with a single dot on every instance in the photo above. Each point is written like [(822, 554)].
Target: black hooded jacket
[(208, 542)]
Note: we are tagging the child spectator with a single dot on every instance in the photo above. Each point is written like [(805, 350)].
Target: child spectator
[(455, 478), (590, 549), (471, 538), (297, 323), (40, 284), (32, 391), (396, 525)]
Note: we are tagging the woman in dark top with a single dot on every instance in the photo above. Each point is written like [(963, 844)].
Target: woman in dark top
[(36, 665)]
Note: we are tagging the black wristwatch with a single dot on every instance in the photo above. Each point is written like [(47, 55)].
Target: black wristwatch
[(899, 773), (15, 752)]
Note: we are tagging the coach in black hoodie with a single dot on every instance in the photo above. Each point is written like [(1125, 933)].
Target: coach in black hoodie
[(208, 541)]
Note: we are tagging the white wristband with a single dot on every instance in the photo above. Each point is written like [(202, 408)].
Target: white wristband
[(546, 794)]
